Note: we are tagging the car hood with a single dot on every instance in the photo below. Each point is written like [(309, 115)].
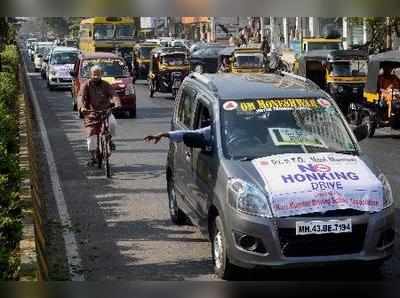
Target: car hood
[(118, 82), (297, 184), (62, 67)]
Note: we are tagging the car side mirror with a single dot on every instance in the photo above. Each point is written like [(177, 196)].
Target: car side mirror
[(72, 73), (361, 132), (194, 140)]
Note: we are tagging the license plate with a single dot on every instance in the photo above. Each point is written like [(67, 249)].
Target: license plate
[(323, 227)]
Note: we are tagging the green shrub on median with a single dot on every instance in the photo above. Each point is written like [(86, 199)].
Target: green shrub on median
[(10, 174)]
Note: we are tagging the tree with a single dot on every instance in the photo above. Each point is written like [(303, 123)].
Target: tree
[(381, 30)]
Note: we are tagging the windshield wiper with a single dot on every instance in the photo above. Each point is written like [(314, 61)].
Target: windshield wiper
[(246, 158), (350, 152)]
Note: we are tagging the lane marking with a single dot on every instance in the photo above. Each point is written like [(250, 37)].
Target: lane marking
[(71, 248)]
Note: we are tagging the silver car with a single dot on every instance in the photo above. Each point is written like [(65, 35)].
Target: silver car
[(281, 180)]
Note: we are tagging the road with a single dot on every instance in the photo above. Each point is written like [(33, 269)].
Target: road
[(122, 224)]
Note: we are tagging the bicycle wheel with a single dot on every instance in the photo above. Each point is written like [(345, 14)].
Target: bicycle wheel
[(106, 155), (99, 153)]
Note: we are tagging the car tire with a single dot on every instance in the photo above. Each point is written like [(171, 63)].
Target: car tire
[(177, 216), (223, 268), (132, 113), (50, 87)]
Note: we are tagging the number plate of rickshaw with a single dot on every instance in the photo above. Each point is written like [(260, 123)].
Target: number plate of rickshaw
[(323, 227)]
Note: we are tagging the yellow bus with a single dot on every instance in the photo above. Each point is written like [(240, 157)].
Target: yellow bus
[(108, 34)]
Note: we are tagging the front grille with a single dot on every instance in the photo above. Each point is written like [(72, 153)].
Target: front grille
[(335, 213), (321, 245), (65, 80)]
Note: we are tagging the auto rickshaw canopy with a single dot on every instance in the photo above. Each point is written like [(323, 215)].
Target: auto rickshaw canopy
[(374, 66), (329, 56)]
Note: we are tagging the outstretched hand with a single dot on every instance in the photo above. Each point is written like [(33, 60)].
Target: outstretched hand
[(154, 139)]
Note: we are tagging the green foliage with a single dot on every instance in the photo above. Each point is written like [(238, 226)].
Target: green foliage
[(9, 56), (10, 174)]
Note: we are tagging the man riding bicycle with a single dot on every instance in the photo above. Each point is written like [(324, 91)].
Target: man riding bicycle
[(96, 95)]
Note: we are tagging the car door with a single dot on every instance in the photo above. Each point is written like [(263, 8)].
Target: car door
[(182, 156), (204, 163)]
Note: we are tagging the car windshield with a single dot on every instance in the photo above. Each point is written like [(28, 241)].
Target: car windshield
[(324, 46), (175, 59), (64, 58), (263, 127), (145, 52), (124, 31), (111, 67), (249, 60), (104, 31), (43, 51), (349, 68)]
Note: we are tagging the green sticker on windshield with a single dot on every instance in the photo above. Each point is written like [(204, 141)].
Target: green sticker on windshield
[(295, 137)]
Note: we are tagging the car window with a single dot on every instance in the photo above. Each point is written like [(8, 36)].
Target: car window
[(212, 51), (110, 67), (64, 58), (185, 112), (202, 116), (262, 127)]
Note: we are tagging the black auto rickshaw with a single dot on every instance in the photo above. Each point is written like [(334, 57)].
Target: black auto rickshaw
[(241, 60), (168, 67), (341, 73), (381, 102), (141, 59)]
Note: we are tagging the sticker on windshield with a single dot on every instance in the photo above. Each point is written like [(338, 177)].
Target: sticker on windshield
[(230, 105), (324, 102), (262, 105), (295, 137)]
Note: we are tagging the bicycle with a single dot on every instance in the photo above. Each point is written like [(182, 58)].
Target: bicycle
[(104, 145)]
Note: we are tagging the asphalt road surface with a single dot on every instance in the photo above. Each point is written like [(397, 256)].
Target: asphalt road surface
[(122, 224)]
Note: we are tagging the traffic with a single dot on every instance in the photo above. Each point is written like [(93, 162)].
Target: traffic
[(264, 154)]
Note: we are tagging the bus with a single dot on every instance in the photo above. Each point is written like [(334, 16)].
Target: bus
[(108, 34)]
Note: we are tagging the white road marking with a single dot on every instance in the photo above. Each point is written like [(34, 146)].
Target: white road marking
[(71, 247)]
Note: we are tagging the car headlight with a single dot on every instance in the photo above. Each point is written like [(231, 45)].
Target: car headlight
[(130, 90), (387, 191), (53, 73), (247, 198), (340, 89)]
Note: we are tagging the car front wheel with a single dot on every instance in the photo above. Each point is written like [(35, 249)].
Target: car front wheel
[(223, 268)]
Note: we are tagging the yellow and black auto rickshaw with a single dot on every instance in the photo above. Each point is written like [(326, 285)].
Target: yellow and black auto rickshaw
[(381, 103), (141, 59), (241, 60), (168, 67), (341, 73)]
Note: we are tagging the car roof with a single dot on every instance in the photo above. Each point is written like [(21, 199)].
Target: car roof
[(336, 54), (390, 56), (98, 55), (248, 86), (65, 49)]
